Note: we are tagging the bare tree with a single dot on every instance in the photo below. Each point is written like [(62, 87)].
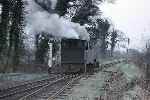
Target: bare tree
[(11, 31), (113, 40), (103, 30)]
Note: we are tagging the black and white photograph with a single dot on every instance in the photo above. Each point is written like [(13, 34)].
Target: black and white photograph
[(74, 50)]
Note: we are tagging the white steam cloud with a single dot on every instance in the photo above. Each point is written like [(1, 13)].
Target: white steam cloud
[(39, 21), (54, 2)]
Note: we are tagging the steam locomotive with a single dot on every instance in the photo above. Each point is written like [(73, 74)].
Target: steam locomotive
[(72, 58)]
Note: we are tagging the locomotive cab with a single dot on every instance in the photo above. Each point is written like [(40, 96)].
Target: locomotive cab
[(70, 57), (73, 55)]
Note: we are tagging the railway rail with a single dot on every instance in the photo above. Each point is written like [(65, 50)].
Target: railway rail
[(53, 89), (55, 95), (104, 66), (18, 90), (45, 89)]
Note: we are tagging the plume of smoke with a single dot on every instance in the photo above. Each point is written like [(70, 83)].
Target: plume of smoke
[(54, 2), (0, 8), (39, 21)]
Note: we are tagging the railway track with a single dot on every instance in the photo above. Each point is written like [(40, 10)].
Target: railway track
[(45, 89), (19, 90), (52, 90), (104, 66)]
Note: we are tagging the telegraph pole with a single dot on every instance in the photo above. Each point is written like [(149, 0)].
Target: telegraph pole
[(128, 40), (86, 57)]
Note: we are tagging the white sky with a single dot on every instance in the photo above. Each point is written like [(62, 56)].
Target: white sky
[(0, 12), (0, 8), (131, 17)]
